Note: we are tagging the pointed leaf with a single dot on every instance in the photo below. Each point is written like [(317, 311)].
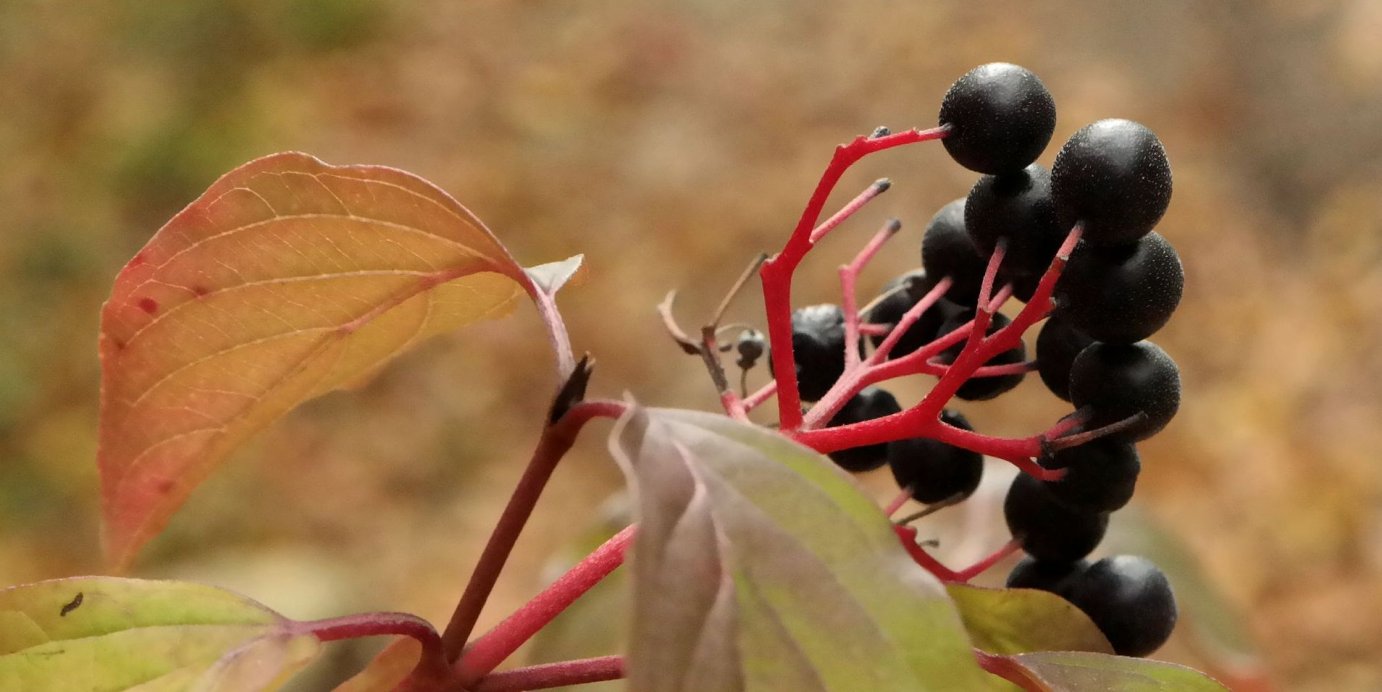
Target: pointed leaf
[(1015, 621), (1067, 670), (106, 633), (552, 276), (760, 566), (288, 278)]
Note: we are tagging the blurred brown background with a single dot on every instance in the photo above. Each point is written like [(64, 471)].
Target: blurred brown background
[(669, 141)]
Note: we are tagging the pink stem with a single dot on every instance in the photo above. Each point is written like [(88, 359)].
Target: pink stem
[(487, 652), (902, 497), (550, 675), (877, 188), (776, 273), (556, 440), (752, 401), (849, 276), (983, 565), (432, 664), (908, 536)]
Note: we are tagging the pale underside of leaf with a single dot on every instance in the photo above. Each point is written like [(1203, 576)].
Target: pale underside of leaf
[(143, 635), (759, 561), (287, 279)]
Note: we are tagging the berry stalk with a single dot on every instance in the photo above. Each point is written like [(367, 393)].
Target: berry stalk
[(549, 675), (557, 438), (488, 651), (776, 273)]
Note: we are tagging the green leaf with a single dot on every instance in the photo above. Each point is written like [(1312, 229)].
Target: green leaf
[(1015, 621), (106, 633), (761, 566), (1066, 670)]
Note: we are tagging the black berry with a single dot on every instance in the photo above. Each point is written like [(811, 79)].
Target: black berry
[(946, 251), (818, 348), (1056, 348), (1121, 294), (1129, 599), (1113, 177), (1015, 206), (1116, 381), (934, 470), (1049, 530), (750, 345), (1001, 118), (1100, 475), (868, 404), (1031, 573)]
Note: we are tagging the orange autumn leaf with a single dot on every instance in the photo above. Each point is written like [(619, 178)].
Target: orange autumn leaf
[(288, 278)]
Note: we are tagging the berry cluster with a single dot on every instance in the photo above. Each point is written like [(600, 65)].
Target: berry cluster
[(1075, 244)]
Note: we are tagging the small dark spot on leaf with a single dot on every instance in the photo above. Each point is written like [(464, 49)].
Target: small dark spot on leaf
[(163, 486), (148, 305), (199, 291), (137, 260), (72, 605)]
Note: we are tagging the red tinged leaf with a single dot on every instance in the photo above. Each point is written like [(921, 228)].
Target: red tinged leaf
[(288, 278)]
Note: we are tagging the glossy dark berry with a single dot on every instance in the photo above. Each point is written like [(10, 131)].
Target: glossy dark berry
[(818, 347), (934, 470), (1024, 285), (750, 345), (1001, 118), (1129, 599), (1031, 573), (1116, 381), (1121, 294), (1049, 530), (868, 404), (1113, 177), (902, 293), (1016, 206), (984, 388), (1100, 475), (946, 250), (1056, 348)]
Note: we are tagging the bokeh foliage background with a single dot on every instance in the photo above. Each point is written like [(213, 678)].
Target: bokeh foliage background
[(670, 141)]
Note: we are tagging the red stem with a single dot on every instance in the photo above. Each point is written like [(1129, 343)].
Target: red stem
[(849, 276), (487, 652), (776, 273), (983, 565), (550, 675), (556, 440), (431, 666)]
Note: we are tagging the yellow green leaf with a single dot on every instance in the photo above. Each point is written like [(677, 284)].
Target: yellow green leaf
[(288, 278), (107, 633)]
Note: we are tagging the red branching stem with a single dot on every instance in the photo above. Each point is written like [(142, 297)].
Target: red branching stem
[(549, 675), (432, 664), (874, 329), (776, 273), (984, 371), (910, 318), (874, 369), (850, 209), (488, 651), (1008, 669), (556, 440), (849, 277), (983, 565), (991, 275)]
